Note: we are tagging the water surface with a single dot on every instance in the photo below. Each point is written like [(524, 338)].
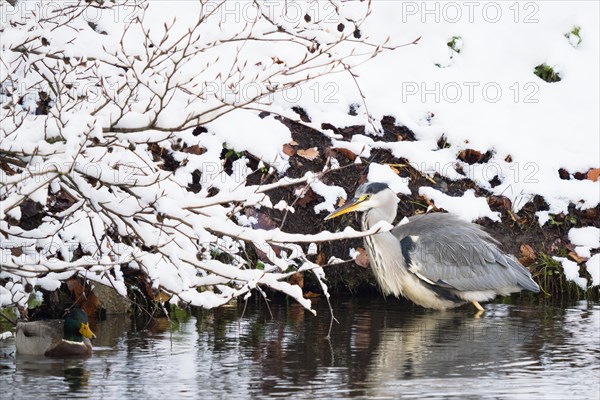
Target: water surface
[(380, 349)]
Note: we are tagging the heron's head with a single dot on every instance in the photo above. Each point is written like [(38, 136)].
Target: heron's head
[(369, 196)]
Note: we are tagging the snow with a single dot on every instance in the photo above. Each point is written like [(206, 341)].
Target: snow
[(587, 239), (588, 236), (385, 174), (330, 193), (522, 122), (593, 268), (467, 207), (484, 97), (571, 271), (583, 251)]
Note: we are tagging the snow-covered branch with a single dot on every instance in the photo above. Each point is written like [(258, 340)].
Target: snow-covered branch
[(106, 161)]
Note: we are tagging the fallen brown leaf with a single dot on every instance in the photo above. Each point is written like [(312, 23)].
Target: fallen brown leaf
[(162, 297), (500, 201), (362, 260), (575, 257), (564, 174), (593, 174), (297, 279), (349, 154), (580, 176), (84, 297), (309, 196), (309, 154), (471, 156), (195, 149), (263, 221), (528, 255), (429, 202), (288, 149)]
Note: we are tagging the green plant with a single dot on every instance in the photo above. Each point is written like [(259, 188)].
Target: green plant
[(547, 73), (231, 153), (548, 272), (455, 43), (574, 36)]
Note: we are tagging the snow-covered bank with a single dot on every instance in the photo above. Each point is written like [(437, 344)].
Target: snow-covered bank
[(122, 123)]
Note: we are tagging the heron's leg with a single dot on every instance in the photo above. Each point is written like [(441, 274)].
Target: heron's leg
[(478, 306)]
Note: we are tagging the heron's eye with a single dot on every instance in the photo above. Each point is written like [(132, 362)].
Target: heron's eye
[(366, 197)]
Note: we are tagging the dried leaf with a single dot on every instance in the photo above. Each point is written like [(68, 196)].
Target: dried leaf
[(362, 259), (265, 222), (195, 149), (309, 196), (575, 257), (84, 297), (471, 156), (428, 202), (341, 202), (162, 297), (289, 150), (349, 154), (297, 279), (580, 175), (528, 255), (564, 174), (500, 202), (593, 174), (309, 154)]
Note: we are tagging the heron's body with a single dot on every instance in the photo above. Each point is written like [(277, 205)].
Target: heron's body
[(55, 338), (435, 260)]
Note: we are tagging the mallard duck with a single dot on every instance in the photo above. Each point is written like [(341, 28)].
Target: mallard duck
[(56, 338)]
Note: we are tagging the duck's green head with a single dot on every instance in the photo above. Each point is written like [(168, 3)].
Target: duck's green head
[(76, 326)]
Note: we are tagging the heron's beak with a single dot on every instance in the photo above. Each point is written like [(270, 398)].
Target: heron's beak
[(348, 207), (86, 331)]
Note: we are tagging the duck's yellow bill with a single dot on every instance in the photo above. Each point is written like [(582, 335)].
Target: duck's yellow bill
[(349, 207), (86, 331)]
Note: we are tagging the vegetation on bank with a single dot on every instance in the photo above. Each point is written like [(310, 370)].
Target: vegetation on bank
[(519, 233)]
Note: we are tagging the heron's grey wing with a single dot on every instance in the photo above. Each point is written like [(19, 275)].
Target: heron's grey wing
[(446, 251)]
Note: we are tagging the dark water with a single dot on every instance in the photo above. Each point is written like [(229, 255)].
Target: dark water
[(378, 350)]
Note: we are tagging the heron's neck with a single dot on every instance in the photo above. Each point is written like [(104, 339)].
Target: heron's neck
[(374, 215)]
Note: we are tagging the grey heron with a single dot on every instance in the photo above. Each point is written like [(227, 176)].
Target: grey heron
[(435, 260)]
